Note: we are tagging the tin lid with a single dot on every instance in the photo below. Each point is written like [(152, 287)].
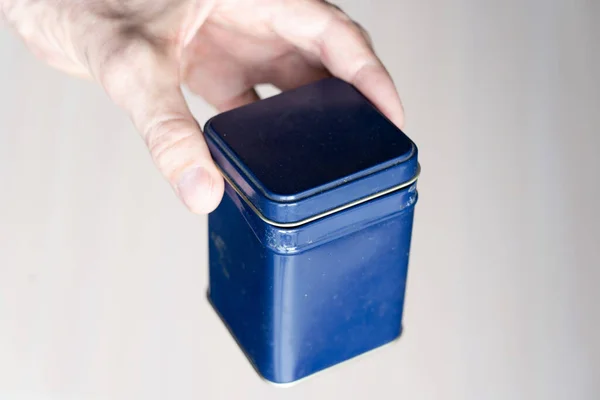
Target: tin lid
[(311, 151)]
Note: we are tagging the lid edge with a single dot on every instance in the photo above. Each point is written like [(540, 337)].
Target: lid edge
[(324, 214)]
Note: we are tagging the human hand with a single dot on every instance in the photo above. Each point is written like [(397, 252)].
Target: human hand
[(141, 52)]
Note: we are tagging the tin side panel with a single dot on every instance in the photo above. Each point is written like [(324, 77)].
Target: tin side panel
[(341, 299), (298, 313), (240, 285)]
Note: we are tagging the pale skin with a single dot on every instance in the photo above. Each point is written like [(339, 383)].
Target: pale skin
[(142, 52)]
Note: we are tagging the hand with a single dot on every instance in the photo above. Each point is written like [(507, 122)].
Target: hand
[(141, 52)]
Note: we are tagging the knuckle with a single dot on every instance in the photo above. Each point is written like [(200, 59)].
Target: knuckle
[(334, 7), (120, 64), (365, 33), (340, 25), (352, 28), (339, 15)]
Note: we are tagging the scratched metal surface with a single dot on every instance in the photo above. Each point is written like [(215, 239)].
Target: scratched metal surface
[(103, 273)]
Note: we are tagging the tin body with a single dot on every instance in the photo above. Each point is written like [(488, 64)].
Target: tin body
[(311, 287)]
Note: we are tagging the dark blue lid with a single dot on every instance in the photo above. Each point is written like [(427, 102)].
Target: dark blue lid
[(310, 150)]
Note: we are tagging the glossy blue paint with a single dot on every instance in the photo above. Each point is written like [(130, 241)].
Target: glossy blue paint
[(301, 299)]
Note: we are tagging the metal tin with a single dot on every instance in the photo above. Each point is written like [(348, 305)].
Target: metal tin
[(309, 248)]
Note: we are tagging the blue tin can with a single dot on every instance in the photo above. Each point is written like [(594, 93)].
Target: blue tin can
[(309, 248)]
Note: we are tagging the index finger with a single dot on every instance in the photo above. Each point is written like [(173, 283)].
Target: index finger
[(330, 35)]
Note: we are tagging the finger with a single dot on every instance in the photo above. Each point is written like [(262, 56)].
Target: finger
[(246, 97), (145, 83), (364, 32), (224, 88), (294, 71), (328, 33), (226, 82), (217, 78)]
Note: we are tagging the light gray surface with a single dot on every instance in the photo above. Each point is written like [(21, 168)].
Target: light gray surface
[(103, 273)]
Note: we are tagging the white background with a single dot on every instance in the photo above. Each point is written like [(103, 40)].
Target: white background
[(103, 273)]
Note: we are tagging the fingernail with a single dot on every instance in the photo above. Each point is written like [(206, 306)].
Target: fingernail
[(195, 189)]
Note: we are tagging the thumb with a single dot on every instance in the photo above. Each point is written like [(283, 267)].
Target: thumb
[(145, 82)]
